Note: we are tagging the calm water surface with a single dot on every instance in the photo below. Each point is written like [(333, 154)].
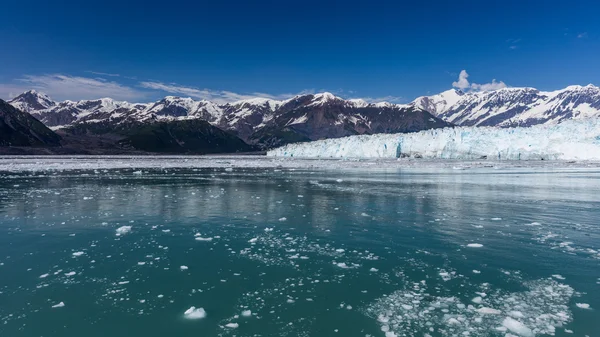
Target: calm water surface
[(300, 253)]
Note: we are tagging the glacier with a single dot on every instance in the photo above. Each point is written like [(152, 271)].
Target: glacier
[(570, 140)]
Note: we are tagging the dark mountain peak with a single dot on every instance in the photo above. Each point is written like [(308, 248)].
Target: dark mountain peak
[(18, 128)]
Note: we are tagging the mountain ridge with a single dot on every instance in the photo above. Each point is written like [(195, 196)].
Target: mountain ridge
[(510, 106), (258, 121)]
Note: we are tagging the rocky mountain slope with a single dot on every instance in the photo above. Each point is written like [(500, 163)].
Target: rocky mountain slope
[(258, 121), (18, 128)]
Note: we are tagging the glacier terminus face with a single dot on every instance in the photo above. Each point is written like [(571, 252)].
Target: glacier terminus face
[(571, 140)]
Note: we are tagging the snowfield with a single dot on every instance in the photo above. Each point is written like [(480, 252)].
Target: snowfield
[(571, 140)]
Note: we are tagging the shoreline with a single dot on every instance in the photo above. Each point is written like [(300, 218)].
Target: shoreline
[(250, 161)]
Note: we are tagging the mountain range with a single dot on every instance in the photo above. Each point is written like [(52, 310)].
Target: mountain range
[(175, 124), (261, 123), (510, 107)]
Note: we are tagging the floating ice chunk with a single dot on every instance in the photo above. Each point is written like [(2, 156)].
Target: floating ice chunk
[(517, 327), (496, 219), (71, 273), (232, 325), (199, 238), (44, 275), (246, 313), (268, 229), (373, 270), (516, 314), (340, 180), (59, 305), (183, 268), (123, 282), (76, 254), (474, 245), (339, 250), (533, 224), (123, 230), (582, 305), (194, 313), (488, 311), (477, 300), (283, 219), (342, 265), (253, 240), (558, 277), (475, 271)]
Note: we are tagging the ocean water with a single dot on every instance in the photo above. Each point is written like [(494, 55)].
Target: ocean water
[(300, 252)]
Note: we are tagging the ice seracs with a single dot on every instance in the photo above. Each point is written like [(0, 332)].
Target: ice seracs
[(570, 140)]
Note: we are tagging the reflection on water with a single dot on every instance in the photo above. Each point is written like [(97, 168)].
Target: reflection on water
[(357, 243)]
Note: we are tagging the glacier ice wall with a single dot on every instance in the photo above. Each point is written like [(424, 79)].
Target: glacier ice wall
[(570, 140)]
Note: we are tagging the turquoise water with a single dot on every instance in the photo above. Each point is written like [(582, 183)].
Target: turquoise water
[(300, 253)]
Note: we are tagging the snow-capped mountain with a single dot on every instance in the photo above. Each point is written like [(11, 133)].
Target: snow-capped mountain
[(31, 101), (513, 106), (257, 121)]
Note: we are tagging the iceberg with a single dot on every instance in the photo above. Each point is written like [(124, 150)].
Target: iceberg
[(570, 140)]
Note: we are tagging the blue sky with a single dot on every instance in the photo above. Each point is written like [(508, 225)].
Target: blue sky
[(228, 50)]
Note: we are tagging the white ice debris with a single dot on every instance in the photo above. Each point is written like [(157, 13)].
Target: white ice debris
[(246, 313), (475, 245), (570, 140), (59, 305), (538, 311), (183, 268), (477, 300), (582, 305), (232, 325), (123, 230), (76, 254), (517, 327), (488, 311), (194, 313)]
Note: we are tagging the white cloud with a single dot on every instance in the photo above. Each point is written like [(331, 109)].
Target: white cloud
[(582, 35), (463, 83), (61, 87), (218, 96), (102, 74), (489, 86)]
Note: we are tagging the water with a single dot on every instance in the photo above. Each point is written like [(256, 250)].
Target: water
[(283, 252)]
